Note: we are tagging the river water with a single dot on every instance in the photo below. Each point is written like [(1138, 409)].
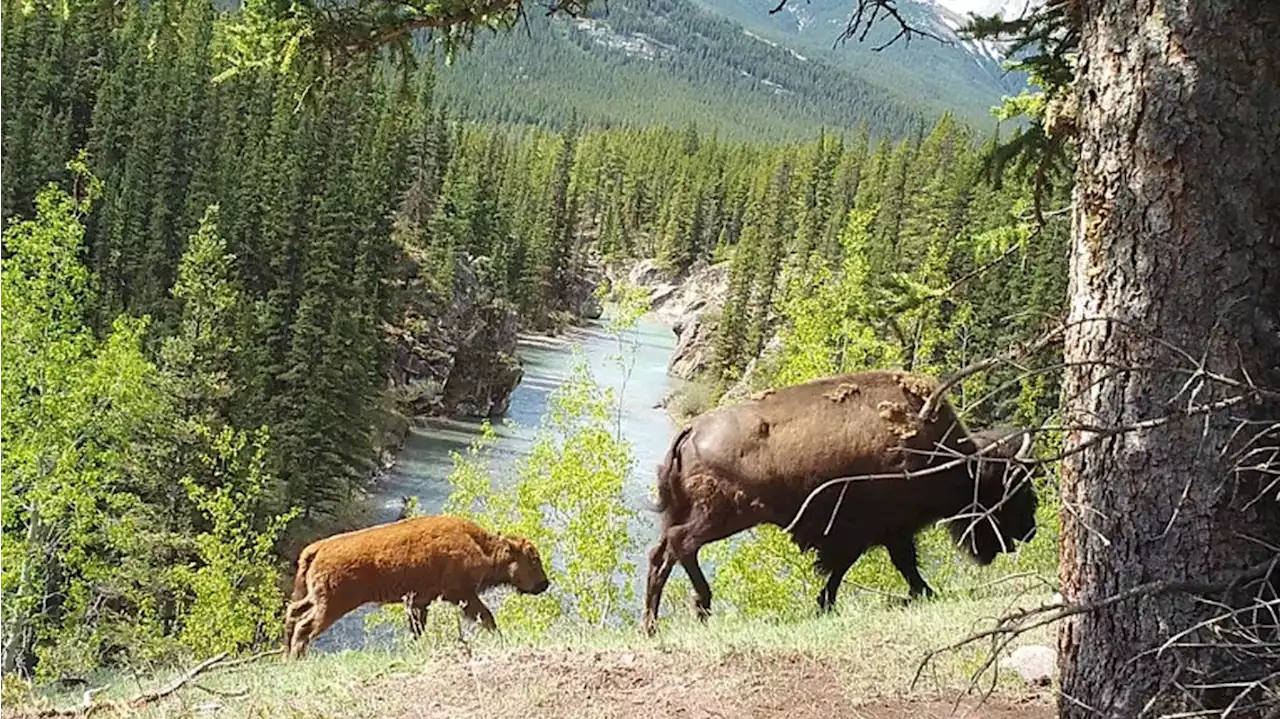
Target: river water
[(640, 380)]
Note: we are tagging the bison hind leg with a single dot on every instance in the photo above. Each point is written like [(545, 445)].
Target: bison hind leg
[(681, 543), (701, 588), (661, 562), (310, 625), (292, 614)]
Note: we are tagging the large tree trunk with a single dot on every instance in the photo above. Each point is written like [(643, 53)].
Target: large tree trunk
[(1175, 261)]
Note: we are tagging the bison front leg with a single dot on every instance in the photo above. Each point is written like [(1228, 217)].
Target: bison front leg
[(477, 612), (902, 552), (838, 565)]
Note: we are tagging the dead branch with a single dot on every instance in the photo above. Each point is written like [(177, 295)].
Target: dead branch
[(233, 694), (864, 17), (1022, 621), (1101, 433), (930, 407), (90, 707)]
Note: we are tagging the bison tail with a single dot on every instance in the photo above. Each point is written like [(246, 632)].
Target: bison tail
[(669, 470), (304, 566)]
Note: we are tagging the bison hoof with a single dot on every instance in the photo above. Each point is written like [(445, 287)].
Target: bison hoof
[(701, 610)]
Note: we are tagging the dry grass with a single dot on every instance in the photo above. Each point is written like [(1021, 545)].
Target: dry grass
[(859, 662)]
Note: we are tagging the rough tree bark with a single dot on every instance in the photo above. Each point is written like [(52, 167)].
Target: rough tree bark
[(1176, 241)]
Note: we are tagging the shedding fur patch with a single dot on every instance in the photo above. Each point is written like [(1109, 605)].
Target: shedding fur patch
[(842, 392), (917, 385), (763, 429), (901, 421), (762, 394)]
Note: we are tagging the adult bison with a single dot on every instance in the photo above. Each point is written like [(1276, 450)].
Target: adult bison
[(420, 559), (756, 462)]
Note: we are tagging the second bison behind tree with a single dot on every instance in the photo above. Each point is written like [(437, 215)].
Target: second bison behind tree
[(756, 462), (425, 558)]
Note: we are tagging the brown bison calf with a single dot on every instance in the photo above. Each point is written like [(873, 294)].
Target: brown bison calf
[(423, 558)]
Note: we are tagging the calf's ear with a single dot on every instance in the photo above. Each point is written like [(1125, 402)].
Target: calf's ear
[(509, 550)]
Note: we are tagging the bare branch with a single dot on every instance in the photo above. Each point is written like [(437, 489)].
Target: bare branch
[(89, 707), (931, 404), (864, 17), (1022, 621)]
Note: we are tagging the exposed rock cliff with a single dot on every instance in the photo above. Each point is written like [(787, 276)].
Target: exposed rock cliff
[(456, 354), (691, 303)]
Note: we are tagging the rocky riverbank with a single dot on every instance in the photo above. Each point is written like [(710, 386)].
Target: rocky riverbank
[(690, 303), (454, 355), (454, 350)]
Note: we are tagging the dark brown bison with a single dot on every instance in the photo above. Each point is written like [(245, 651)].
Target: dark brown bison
[(756, 462), (419, 558)]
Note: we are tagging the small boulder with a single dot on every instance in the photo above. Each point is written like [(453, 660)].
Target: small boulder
[(1035, 663)]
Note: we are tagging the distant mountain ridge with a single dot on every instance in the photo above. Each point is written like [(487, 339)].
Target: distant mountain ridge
[(965, 76), (666, 62), (731, 67)]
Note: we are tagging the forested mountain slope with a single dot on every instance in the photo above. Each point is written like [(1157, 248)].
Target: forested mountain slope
[(729, 67), (961, 76), (644, 62)]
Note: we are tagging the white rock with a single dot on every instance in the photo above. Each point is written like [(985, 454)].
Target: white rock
[(1035, 663)]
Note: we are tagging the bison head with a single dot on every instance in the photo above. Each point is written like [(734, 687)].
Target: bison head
[(1004, 510), (524, 566)]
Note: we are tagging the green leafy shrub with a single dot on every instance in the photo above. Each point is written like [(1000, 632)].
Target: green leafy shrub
[(233, 600), (568, 500), (567, 495)]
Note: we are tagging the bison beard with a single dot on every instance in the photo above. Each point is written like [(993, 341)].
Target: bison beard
[(425, 558), (756, 462)]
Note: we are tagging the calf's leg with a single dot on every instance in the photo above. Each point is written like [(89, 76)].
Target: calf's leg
[(902, 552), (476, 611), (292, 613), (312, 624), (417, 617)]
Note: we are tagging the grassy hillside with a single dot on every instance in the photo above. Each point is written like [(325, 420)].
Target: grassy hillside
[(857, 663)]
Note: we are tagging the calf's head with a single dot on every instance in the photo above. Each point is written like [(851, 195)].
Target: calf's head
[(1005, 502), (523, 566)]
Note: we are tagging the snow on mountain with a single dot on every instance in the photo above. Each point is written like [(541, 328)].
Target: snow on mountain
[(957, 73), (1007, 8), (954, 14)]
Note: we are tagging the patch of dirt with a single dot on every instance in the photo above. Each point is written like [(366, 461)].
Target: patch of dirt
[(652, 684)]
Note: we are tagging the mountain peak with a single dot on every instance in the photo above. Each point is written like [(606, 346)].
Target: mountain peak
[(959, 72)]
